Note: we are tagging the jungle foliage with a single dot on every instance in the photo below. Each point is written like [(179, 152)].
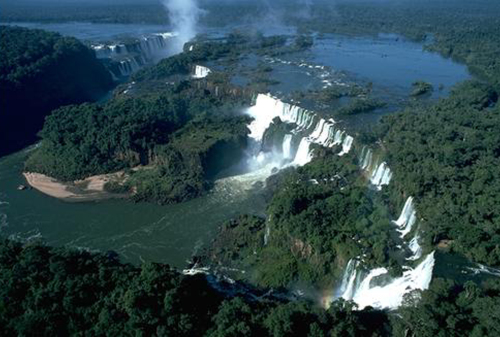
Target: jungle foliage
[(448, 156), (57, 291), (41, 71), (175, 134)]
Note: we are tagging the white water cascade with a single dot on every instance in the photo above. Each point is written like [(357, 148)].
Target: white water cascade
[(381, 176), (415, 248), (287, 146), (407, 218), (314, 130), (201, 72), (303, 155), (365, 287), (378, 290), (366, 158), (135, 54), (346, 145), (150, 47)]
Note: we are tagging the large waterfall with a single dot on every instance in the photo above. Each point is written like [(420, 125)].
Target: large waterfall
[(310, 128), (407, 218), (375, 288), (365, 287), (133, 55), (381, 175)]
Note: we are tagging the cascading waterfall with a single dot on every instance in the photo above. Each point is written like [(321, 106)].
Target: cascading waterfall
[(304, 154), (375, 287), (381, 176), (323, 132), (134, 55), (346, 145), (415, 248), (365, 287), (407, 218), (148, 46), (129, 66), (201, 72), (267, 234), (287, 146), (348, 285), (366, 158), (309, 128), (380, 291)]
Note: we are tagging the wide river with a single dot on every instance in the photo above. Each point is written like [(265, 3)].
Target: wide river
[(172, 234)]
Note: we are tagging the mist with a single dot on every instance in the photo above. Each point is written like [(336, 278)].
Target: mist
[(184, 16)]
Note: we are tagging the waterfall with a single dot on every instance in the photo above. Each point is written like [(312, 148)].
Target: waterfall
[(150, 47), (415, 248), (338, 137), (201, 72), (303, 155), (407, 218), (267, 234), (287, 146), (348, 285), (310, 128), (365, 287), (381, 176), (132, 56), (378, 290), (366, 158), (128, 66), (346, 145)]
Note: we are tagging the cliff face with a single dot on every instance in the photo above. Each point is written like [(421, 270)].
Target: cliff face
[(40, 72)]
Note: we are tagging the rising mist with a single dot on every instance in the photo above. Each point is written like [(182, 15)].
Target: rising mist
[(184, 16)]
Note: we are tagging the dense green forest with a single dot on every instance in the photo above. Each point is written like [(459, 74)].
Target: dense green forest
[(41, 71), (176, 134), (56, 291), (447, 156)]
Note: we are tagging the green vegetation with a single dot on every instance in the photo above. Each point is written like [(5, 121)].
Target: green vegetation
[(319, 216), (421, 88), (49, 292), (448, 157), (38, 73), (361, 105), (176, 133), (185, 167)]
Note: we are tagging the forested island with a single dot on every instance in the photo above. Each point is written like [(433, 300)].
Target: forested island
[(421, 184)]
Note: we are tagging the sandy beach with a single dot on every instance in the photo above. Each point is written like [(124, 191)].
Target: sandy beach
[(89, 189)]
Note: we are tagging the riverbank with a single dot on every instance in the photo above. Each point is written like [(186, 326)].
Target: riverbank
[(88, 189)]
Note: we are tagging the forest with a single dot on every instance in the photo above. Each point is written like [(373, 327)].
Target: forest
[(58, 291), (447, 156), (38, 73)]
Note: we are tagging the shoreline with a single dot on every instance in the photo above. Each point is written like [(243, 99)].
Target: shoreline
[(85, 190)]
